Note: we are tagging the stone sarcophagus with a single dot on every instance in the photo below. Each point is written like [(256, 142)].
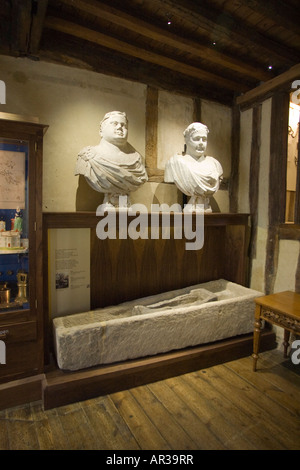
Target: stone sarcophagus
[(173, 320)]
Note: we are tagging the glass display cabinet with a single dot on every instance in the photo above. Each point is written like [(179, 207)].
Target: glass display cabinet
[(21, 265)]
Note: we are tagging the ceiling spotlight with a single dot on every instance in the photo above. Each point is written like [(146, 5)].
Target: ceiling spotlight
[(214, 43), (169, 19), (270, 67)]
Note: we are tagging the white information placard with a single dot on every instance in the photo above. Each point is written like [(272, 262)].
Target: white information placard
[(69, 271)]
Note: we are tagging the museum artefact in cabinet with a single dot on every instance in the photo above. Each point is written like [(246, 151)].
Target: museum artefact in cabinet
[(21, 265)]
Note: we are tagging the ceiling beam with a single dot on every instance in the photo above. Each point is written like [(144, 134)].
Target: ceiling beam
[(261, 92), (27, 18), (63, 49), (20, 26), (227, 25), (282, 13), (57, 24), (39, 9), (132, 23)]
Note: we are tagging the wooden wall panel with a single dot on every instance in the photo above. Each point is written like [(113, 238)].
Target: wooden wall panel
[(127, 269), (277, 178)]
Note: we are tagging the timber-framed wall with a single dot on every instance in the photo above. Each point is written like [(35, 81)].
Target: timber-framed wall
[(269, 216)]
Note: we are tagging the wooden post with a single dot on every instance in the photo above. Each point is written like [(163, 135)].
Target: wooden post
[(256, 336), (277, 182)]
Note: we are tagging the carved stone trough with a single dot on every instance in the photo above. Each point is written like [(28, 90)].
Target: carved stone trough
[(173, 320)]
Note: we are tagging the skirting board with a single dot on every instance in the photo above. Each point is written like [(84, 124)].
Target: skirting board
[(19, 392), (62, 387)]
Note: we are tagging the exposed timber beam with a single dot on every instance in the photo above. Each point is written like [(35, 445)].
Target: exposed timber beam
[(282, 13), (132, 23), (225, 24), (67, 27), (286, 79), (27, 25), (37, 24), (21, 24)]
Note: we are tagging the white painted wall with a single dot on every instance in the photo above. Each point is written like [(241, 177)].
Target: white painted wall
[(218, 119), (175, 113)]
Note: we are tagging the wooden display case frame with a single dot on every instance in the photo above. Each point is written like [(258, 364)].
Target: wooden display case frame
[(23, 329)]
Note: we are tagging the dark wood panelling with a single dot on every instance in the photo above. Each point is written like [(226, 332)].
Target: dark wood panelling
[(21, 391), (254, 176), (126, 269), (277, 183), (235, 159), (130, 269), (151, 135)]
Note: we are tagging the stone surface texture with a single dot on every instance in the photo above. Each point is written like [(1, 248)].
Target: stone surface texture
[(156, 324)]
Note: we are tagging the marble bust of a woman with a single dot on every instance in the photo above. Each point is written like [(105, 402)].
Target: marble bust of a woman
[(112, 167), (194, 173)]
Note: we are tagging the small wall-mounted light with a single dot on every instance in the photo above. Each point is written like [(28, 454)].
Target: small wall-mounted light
[(214, 43), (270, 67)]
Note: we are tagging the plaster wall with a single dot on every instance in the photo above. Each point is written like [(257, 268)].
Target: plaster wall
[(287, 265), (175, 113), (288, 259), (218, 119), (73, 102)]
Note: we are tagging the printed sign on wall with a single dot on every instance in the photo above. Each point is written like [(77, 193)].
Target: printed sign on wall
[(69, 271)]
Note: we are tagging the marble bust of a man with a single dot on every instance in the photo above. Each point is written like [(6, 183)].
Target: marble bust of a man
[(194, 173), (112, 167)]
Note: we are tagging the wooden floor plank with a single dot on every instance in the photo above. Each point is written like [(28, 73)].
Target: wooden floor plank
[(76, 426), (241, 423), (49, 429), (146, 434), (271, 381), (162, 419), (111, 430), (209, 414), (226, 406), (3, 431), (21, 429), (283, 372), (192, 424), (254, 402)]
